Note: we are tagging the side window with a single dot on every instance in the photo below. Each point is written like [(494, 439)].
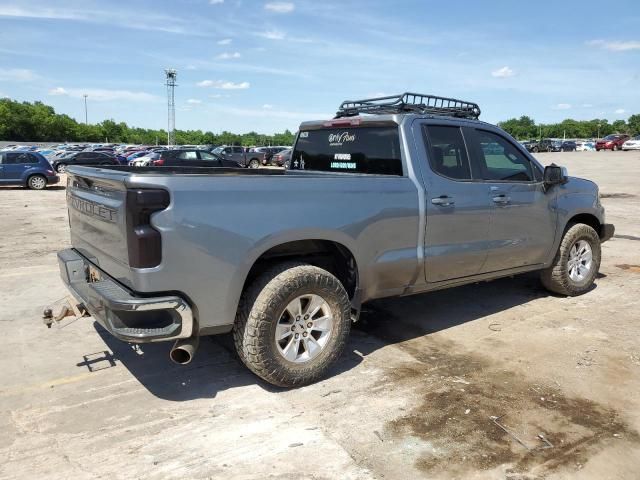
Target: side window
[(189, 155), (207, 156), (27, 158), (10, 158), (500, 160), (238, 150), (227, 150), (447, 152)]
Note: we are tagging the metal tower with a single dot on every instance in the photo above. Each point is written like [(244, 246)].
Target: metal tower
[(171, 75)]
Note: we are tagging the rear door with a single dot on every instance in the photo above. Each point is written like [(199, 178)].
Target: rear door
[(523, 222), (209, 160), (458, 208)]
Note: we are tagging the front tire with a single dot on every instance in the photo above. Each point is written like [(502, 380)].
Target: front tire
[(576, 263), (292, 324), (61, 168), (37, 182)]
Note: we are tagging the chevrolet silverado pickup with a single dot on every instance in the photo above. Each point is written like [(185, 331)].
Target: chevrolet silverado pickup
[(394, 196)]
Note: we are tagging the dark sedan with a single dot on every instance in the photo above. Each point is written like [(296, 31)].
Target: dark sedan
[(91, 159), (191, 157)]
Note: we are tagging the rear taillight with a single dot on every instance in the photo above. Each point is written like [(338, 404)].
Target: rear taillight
[(158, 163), (144, 243)]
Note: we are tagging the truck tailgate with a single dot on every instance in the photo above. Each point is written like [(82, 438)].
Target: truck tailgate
[(96, 200)]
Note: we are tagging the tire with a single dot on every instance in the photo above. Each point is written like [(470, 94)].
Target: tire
[(559, 277), (264, 310), (615, 148), (254, 163), (37, 182), (61, 168), (535, 149)]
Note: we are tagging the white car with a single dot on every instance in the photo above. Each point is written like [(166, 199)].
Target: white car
[(145, 160), (585, 146), (632, 144)]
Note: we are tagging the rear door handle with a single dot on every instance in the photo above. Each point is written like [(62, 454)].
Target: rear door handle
[(443, 201), (501, 199)]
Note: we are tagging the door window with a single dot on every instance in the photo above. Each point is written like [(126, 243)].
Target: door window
[(188, 155), (499, 160), (19, 158), (208, 157), (447, 152)]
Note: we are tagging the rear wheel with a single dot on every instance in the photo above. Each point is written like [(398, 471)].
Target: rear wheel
[(535, 149), (576, 263), (61, 168), (37, 182), (615, 147), (254, 163), (292, 324)]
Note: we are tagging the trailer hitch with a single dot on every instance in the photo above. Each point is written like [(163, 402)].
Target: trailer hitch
[(61, 309)]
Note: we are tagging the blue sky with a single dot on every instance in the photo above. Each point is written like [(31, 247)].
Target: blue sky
[(268, 65)]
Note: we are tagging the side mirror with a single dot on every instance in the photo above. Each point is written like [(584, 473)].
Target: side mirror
[(555, 175)]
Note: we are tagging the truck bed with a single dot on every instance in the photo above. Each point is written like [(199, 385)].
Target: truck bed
[(192, 170)]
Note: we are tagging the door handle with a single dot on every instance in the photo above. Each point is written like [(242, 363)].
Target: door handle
[(443, 201), (501, 199)]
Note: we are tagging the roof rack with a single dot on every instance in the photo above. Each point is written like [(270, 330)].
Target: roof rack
[(410, 103)]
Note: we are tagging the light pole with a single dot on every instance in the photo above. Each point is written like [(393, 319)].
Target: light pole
[(598, 130), (86, 118)]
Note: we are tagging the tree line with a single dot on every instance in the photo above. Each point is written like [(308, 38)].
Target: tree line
[(37, 122), (525, 128)]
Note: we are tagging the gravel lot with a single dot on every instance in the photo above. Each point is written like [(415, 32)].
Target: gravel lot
[(411, 398)]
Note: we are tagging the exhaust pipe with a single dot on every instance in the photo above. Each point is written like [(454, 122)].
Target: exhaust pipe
[(183, 351)]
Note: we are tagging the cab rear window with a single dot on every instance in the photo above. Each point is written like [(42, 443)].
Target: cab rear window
[(372, 150)]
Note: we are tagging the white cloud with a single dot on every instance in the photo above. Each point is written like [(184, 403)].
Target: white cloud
[(194, 101), (563, 106), (503, 72), (279, 7), (261, 113), (218, 95), (57, 91), (103, 95), (272, 35), (616, 46), (216, 2), (587, 105), (119, 17), (620, 110), (17, 74), (191, 67), (225, 41), (223, 85), (267, 106), (228, 56)]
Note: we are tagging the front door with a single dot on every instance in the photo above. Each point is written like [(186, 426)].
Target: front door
[(458, 209), (14, 165), (523, 222)]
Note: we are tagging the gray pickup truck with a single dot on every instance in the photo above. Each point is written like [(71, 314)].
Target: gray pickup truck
[(394, 196)]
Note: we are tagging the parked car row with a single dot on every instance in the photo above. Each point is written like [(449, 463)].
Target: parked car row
[(610, 142)]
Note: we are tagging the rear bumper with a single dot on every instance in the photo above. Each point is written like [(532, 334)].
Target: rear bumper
[(124, 314), (606, 232), (53, 179)]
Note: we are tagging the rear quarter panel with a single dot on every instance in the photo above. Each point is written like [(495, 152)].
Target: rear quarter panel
[(216, 228)]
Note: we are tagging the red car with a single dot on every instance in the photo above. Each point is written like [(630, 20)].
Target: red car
[(611, 142)]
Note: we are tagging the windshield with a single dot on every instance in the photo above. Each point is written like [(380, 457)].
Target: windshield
[(373, 150), (611, 137)]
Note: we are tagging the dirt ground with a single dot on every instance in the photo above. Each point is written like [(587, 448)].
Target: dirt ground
[(414, 396)]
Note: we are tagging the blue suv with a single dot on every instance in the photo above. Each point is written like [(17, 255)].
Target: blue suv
[(29, 169)]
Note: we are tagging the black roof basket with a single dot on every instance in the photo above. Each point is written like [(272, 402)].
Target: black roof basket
[(410, 103)]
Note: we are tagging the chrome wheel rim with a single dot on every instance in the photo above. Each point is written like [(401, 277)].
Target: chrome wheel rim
[(61, 168), (38, 182), (580, 261), (304, 328)]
